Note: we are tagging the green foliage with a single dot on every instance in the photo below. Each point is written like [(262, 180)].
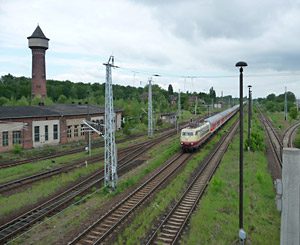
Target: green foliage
[(62, 99), (216, 184), (77, 200), (293, 113), (126, 129), (256, 141), (159, 122), (17, 149), (3, 100)]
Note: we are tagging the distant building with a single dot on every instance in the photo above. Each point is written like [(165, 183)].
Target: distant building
[(173, 100), (38, 43), (38, 126), (168, 117), (219, 104)]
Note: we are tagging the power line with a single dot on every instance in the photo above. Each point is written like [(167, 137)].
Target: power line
[(163, 74)]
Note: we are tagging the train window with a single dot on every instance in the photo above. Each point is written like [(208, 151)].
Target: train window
[(187, 133)]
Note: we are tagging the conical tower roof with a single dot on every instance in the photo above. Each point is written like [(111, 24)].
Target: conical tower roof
[(38, 33)]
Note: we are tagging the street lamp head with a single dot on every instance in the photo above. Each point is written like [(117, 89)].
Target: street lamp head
[(249, 86), (241, 64)]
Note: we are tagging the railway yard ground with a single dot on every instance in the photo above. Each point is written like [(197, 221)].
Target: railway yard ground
[(213, 221)]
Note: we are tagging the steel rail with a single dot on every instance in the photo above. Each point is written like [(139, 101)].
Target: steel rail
[(170, 229)]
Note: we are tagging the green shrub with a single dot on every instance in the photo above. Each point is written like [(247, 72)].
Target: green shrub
[(159, 122), (77, 200), (217, 184), (17, 149), (256, 141), (297, 142)]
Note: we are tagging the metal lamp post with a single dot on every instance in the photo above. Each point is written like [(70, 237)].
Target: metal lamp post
[(242, 233), (249, 117)]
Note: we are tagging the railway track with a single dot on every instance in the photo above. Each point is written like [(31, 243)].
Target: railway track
[(4, 187), (288, 135), (9, 164), (107, 225), (103, 227), (170, 229), (273, 138), (65, 199)]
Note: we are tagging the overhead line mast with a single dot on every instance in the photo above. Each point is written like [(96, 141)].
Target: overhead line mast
[(110, 157), (150, 119)]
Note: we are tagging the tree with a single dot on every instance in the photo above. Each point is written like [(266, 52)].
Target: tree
[(22, 101), (293, 113), (170, 89), (62, 99), (212, 93)]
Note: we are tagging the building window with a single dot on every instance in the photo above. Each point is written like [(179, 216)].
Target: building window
[(75, 130), (82, 130), (69, 132), (36, 133), (4, 138), (17, 137), (55, 132), (46, 133)]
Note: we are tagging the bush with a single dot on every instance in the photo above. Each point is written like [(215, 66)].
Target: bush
[(297, 142), (256, 142), (17, 149), (217, 184), (77, 200), (127, 130), (159, 122)]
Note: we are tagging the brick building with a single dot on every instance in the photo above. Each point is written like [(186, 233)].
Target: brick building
[(38, 126)]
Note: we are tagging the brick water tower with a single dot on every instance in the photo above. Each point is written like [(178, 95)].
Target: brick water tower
[(38, 43)]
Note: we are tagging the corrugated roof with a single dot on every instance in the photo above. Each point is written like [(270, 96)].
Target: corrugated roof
[(38, 33), (14, 112)]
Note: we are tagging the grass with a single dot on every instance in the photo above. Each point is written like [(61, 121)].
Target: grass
[(42, 189), (216, 220), (278, 120), (28, 169)]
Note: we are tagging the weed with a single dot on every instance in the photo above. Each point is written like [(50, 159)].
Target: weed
[(216, 184), (17, 149), (77, 200)]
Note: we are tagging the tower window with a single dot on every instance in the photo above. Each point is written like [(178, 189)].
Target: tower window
[(38, 86)]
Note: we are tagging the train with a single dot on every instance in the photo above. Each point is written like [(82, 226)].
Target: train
[(194, 135)]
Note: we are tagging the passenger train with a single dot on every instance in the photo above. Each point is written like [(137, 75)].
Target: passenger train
[(194, 135)]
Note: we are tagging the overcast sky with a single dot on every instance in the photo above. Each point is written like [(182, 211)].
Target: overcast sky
[(203, 39)]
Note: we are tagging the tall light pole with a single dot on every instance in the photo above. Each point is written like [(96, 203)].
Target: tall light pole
[(249, 117), (242, 233)]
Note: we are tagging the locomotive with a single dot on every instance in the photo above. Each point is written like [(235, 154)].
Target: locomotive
[(195, 134)]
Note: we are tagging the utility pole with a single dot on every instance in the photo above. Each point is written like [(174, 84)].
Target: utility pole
[(179, 106), (110, 159), (150, 119), (285, 105), (88, 119)]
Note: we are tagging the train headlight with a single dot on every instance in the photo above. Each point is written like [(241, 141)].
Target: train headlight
[(192, 143)]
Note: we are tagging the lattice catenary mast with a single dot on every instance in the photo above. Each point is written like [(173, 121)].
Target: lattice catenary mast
[(110, 159), (179, 112), (150, 119)]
